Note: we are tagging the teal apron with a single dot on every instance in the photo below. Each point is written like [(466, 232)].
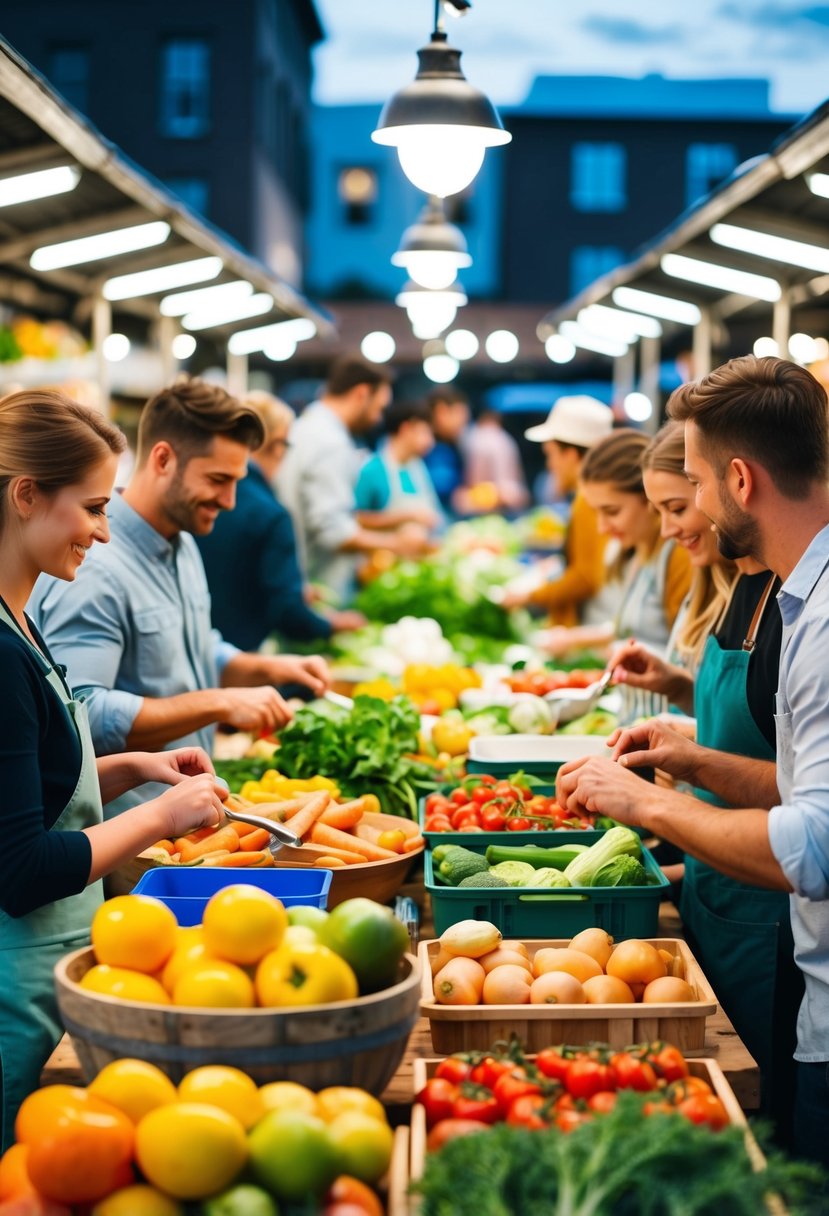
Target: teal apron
[(30, 946), (742, 934)]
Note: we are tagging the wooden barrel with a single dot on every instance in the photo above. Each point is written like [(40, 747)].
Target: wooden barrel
[(357, 1042)]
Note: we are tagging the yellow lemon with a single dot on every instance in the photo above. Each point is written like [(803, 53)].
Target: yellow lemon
[(287, 1095), (190, 1150), (227, 1088), (134, 931), (362, 1144), (242, 923), (190, 948), (216, 985), (138, 1201), (340, 1098), (125, 984), (134, 1086)]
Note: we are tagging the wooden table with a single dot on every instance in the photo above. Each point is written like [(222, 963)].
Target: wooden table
[(733, 1057)]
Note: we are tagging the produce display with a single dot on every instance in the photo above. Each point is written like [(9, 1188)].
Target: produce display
[(248, 951), (484, 803), (476, 966), (216, 1142), (614, 860)]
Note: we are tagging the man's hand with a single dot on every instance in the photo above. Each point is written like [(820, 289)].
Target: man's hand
[(346, 621), (597, 785), (411, 540), (654, 744), (254, 709), (514, 599), (310, 670), (172, 767)]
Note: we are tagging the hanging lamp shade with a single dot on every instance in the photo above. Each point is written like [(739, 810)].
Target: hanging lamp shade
[(440, 124), (430, 312), (432, 250)]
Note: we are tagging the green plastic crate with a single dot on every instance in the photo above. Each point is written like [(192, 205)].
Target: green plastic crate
[(479, 840), (521, 912), (530, 753)]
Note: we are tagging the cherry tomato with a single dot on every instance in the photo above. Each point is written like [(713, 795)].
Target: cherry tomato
[(586, 1077), (493, 818), (553, 1064), (512, 1085), (489, 1070), (668, 1062), (464, 818), (705, 1108), (436, 802), (686, 1087), (481, 794), (438, 823), (454, 1069), (633, 1073), (602, 1103), (505, 790), (459, 796), (475, 1102), (450, 1129), (517, 823), (530, 1110), (569, 1120), (438, 1098)]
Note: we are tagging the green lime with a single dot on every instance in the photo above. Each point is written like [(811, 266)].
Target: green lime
[(244, 1200)]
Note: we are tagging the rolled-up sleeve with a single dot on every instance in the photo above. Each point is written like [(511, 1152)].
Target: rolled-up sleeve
[(223, 651), (83, 625), (799, 826)]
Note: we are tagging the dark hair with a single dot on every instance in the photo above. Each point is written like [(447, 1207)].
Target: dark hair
[(769, 410), (190, 414), (49, 437), (401, 412), (617, 459), (446, 395), (350, 371)]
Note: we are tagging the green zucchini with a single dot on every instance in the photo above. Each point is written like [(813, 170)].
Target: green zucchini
[(559, 857)]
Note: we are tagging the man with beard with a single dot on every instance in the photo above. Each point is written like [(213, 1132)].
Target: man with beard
[(757, 451), (134, 627), (318, 478)]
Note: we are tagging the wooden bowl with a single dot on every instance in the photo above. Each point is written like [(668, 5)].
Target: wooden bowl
[(358, 1042)]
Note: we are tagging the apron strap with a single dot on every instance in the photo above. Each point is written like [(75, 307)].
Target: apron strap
[(750, 640)]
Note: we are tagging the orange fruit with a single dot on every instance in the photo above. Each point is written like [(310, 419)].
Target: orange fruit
[(228, 1088), (134, 931), (125, 984), (45, 1107), (339, 1098), (242, 923), (14, 1176), (82, 1153), (190, 947), (636, 962), (138, 1200), (190, 1150), (216, 985), (134, 1087)]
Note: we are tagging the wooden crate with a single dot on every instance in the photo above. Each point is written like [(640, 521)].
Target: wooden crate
[(470, 1027)]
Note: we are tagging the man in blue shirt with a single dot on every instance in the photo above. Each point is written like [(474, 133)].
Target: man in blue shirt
[(134, 627), (757, 450)]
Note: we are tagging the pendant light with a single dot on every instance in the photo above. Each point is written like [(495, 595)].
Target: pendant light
[(430, 312), (432, 250), (440, 124)]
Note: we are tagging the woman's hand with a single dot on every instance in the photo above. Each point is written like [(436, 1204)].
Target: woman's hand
[(633, 664), (195, 802), (174, 766)]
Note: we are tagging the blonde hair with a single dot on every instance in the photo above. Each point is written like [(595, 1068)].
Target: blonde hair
[(49, 437), (711, 586), (275, 415)]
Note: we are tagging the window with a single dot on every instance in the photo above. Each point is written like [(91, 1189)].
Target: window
[(185, 88), (706, 165), (590, 262), (597, 177), (357, 192), (69, 73), (193, 191)]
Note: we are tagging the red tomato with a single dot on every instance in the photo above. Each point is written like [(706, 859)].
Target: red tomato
[(465, 808), (705, 1108), (668, 1062), (438, 1098), (449, 1129), (553, 1064), (489, 1070), (481, 794), (454, 1069), (459, 796), (436, 802), (518, 823), (512, 1085), (493, 818), (633, 1073), (586, 1077), (347, 1193), (532, 1111), (464, 818), (602, 1102), (438, 823), (686, 1087), (569, 1120), (505, 790), (475, 1102)]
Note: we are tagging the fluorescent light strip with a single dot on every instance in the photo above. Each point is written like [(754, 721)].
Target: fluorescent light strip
[(182, 302), (765, 245), (723, 278), (102, 245), (44, 183), (587, 341), (627, 325), (818, 183), (238, 310), (246, 341), (162, 278), (669, 309)]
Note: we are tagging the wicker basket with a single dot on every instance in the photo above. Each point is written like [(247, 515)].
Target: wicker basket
[(358, 1042)]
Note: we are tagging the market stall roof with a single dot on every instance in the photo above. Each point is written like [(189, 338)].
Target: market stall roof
[(39, 130), (769, 195)]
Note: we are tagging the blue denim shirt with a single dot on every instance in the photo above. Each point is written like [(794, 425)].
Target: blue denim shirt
[(134, 623), (799, 826)]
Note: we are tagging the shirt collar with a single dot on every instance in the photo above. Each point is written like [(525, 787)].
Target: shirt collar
[(141, 534), (801, 582)]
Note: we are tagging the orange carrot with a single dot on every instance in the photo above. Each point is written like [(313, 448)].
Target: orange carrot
[(344, 815), (243, 829), (258, 839), (329, 863), (304, 820), (193, 837), (412, 843), (346, 855), (239, 859), (281, 810), (323, 834), (224, 838), (166, 845)]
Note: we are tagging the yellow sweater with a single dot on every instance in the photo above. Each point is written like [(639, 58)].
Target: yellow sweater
[(585, 570)]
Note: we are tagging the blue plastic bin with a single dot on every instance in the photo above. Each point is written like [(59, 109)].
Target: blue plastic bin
[(186, 891)]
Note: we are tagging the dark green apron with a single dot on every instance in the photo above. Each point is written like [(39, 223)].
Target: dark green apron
[(742, 934), (30, 946)]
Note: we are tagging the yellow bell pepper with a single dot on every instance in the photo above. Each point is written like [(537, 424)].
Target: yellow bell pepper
[(304, 973)]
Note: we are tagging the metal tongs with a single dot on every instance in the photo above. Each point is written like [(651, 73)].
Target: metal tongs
[(573, 702), (282, 835)]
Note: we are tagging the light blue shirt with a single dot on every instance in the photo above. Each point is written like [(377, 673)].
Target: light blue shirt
[(799, 826), (134, 623)]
